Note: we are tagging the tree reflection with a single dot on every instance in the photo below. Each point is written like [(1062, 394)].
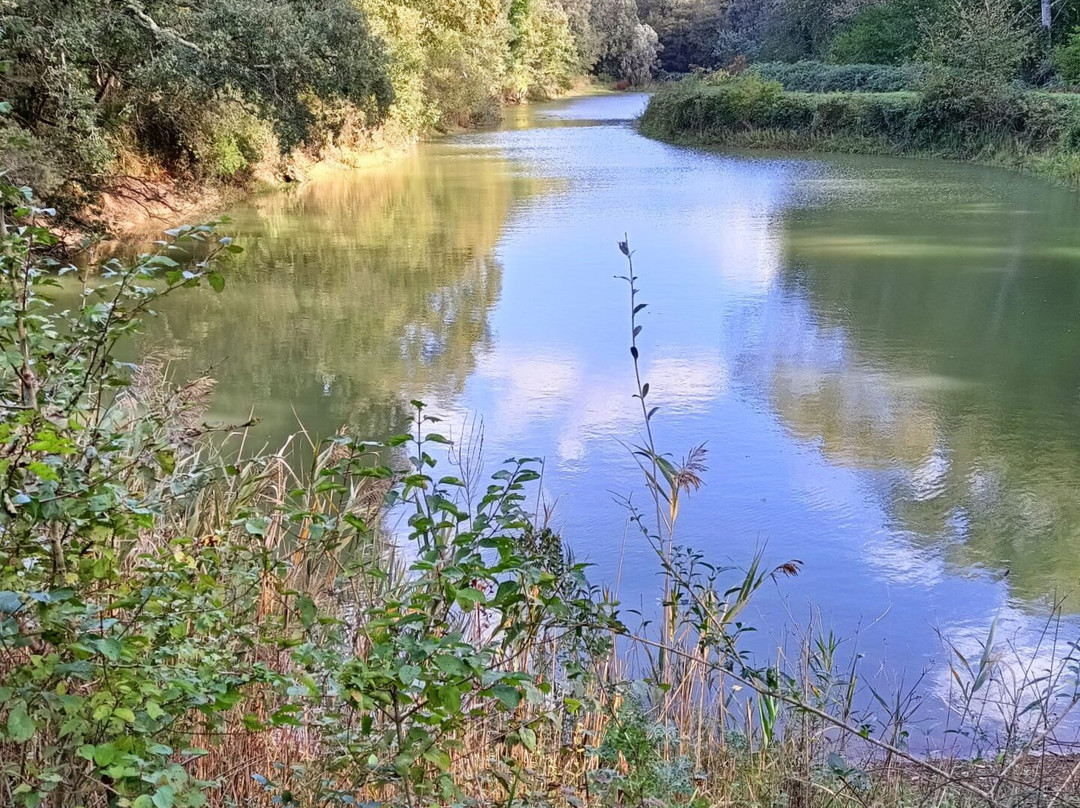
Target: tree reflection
[(945, 357), (354, 294)]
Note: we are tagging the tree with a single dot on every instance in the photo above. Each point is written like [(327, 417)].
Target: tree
[(977, 43), (743, 30), (883, 33), (90, 76), (606, 32), (639, 62), (542, 52), (687, 31)]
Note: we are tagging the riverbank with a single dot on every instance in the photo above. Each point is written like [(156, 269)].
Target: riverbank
[(1031, 132), (137, 208)]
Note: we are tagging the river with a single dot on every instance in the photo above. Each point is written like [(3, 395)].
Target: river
[(881, 355)]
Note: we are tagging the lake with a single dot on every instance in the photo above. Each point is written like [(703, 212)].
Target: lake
[(881, 355)]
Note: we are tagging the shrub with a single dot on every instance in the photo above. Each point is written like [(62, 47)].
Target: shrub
[(885, 33), (163, 607), (1066, 58), (91, 77), (977, 48), (1038, 130), (721, 104), (726, 102), (818, 77), (232, 140)]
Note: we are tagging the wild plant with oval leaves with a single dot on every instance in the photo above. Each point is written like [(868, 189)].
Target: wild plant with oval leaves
[(181, 623)]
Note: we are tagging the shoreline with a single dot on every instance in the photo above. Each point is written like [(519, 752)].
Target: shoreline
[(1028, 164), (885, 124), (141, 208)]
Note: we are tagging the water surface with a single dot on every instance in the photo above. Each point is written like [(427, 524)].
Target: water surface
[(882, 355)]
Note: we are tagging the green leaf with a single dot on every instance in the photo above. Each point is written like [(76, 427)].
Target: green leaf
[(469, 597), (143, 801), (164, 797), (451, 665), (20, 726), (166, 458), (403, 762), (153, 709), (217, 281), (356, 522), (305, 606), (509, 696), (528, 738), (408, 674), (105, 753), (450, 698), (110, 648), (10, 603), (43, 471), (439, 757)]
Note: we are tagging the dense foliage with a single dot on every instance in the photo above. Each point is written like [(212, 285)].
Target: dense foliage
[(613, 39), (158, 600), (1031, 130), (1067, 58), (883, 33), (699, 34), (107, 94), (959, 78), (820, 77), (93, 81)]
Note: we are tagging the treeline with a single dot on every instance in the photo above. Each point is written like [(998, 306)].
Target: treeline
[(978, 80), (104, 94), (707, 34)]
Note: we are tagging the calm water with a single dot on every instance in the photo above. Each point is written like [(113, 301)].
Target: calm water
[(883, 356)]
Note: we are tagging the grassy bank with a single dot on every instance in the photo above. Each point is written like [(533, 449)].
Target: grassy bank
[(187, 622), (1036, 132)]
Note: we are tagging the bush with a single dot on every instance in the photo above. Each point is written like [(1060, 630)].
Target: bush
[(93, 78), (977, 48), (162, 607), (717, 101), (231, 141), (818, 77), (1066, 58), (887, 33), (1033, 129)]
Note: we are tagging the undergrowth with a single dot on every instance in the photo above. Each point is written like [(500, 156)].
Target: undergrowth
[(1037, 132)]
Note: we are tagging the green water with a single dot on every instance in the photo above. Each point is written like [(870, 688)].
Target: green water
[(882, 355)]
